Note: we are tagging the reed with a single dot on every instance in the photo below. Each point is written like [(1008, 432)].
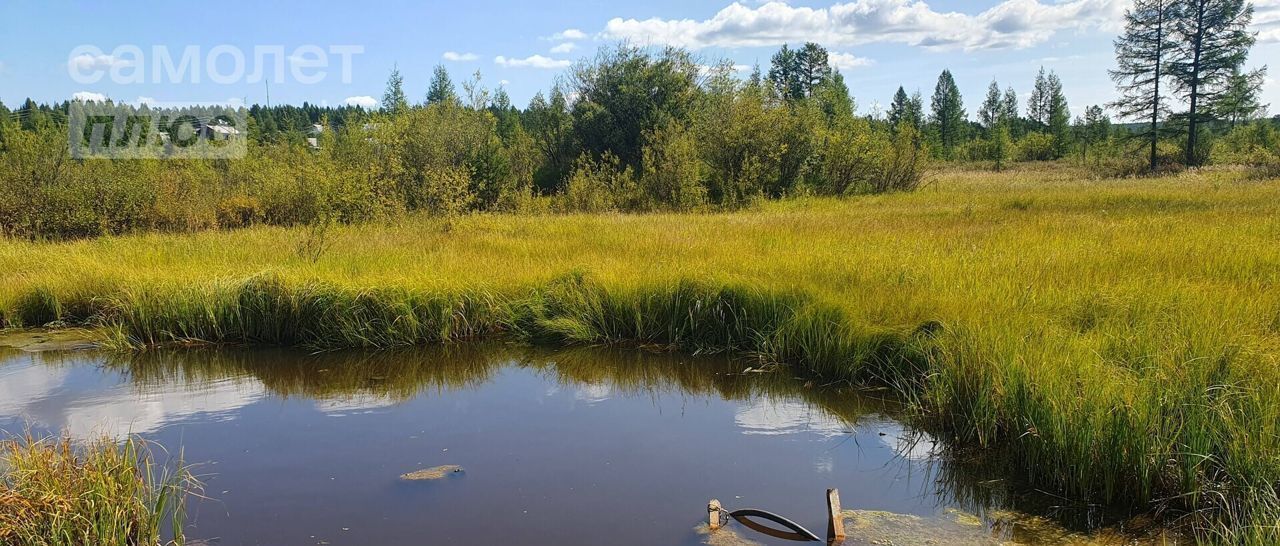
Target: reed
[(54, 492)]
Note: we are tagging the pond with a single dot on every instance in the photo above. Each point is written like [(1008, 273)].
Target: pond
[(585, 446)]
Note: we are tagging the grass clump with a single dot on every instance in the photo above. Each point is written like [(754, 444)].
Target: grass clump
[(54, 492)]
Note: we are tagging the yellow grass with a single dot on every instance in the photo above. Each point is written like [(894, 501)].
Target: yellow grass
[(1120, 337)]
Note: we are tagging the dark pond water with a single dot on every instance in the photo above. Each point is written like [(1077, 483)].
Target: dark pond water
[(573, 447)]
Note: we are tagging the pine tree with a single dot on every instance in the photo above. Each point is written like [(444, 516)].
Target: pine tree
[(948, 113), (393, 99), (1141, 55), (813, 68), (1213, 42), (441, 90), (992, 108)]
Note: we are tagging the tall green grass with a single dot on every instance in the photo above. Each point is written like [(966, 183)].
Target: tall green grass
[(1117, 341), (54, 492)]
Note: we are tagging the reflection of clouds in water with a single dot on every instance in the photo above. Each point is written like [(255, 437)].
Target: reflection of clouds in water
[(824, 464), (22, 386), (121, 411), (48, 397), (355, 403), (772, 416), (593, 393), (910, 445)]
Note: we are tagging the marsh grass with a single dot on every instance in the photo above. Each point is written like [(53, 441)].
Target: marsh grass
[(56, 492), (1115, 340)]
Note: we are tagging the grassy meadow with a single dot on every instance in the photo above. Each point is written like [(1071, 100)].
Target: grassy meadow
[(1117, 340)]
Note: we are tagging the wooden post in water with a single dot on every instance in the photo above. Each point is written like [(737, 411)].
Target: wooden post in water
[(835, 521), (713, 514)]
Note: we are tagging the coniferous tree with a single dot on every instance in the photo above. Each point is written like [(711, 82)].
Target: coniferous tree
[(1038, 101), (1059, 116), (1009, 111), (813, 68), (551, 126), (1239, 101), (948, 113), (992, 107), (441, 90), (1213, 42), (784, 73), (915, 111), (393, 99), (1092, 130), (898, 108), (832, 97), (1141, 55)]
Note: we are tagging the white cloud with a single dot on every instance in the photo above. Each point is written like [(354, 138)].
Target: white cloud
[(145, 101), (86, 62), (1266, 19), (569, 34), (1010, 24), (532, 61), (848, 61), (455, 56), (89, 96), (564, 48), (504, 83), (363, 101)]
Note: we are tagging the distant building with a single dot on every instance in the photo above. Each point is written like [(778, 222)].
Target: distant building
[(217, 130), (314, 132)]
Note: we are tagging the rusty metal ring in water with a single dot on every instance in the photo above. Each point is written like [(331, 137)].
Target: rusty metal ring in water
[(796, 533)]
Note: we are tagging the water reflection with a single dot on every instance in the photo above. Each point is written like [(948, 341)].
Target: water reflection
[(558, 434), (773, 403), (65, 392)]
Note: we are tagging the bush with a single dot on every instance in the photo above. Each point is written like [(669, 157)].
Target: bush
[(1036, 147), (672, 173), (599, 186)]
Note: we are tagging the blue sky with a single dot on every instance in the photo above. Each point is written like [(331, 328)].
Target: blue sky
[(524, 45)]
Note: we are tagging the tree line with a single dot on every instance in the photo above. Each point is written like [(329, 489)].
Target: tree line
[(635, 129)]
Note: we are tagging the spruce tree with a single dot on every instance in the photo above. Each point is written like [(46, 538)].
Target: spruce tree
[(915, 111), (784, 74), (898, 108), (1059, 116), (1213, 42), (441, 90), (393, 99), (1141, 55), (948, 113)]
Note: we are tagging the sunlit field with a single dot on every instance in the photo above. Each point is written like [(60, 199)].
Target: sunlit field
[(1117, 340)]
